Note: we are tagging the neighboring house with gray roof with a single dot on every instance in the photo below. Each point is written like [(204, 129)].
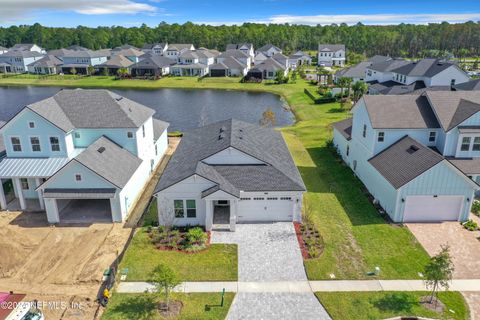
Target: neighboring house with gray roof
[(114, 64), (229, 67), (330, 55), (49, 64), (83, 152), (81, 59), (417, 154), (237, 54), (152, 65), (299, 58), (358, 72), (244, 47), (468, 86), (268, 50), (17, 61), (132, 54), (175, 49), (228, 172), (155, 48), (270, 67), (430, 72), (28, 47)]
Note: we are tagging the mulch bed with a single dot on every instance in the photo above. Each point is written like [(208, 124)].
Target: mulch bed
[(179, 248), (436, 304), (309, 240), (174, 309)]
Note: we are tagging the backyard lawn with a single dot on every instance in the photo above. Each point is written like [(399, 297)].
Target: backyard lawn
[(123, 306), (382, 305), (356, 238)]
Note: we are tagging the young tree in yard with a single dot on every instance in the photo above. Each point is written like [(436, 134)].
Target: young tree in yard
[(122, 72), (359, 89), (439, 271), (279, 76), (268, 118), (73, 71), (343, 82), (164, 280), (90, 70)]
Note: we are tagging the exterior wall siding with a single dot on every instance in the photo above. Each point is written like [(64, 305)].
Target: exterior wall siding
[(442, 179), (360, 118), (88, 136), (393, 135), (341, 144), (65, 178)]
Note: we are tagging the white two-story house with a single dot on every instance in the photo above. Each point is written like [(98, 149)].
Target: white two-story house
[(418, 155), (80, 156), (17, 61), (331, 55), (80, 60)]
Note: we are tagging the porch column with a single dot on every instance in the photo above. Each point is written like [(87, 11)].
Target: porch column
[(52, 210), (21, 197), (233, 214), (3, 200), (208, 215), (40, 194)]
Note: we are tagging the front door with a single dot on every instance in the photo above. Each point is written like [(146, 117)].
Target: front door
[(221, 212)]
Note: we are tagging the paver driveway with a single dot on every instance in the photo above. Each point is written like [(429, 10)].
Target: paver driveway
[(269, 252), (464, 247)]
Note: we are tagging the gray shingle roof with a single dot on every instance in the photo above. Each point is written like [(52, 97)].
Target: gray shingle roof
[(344, 127), (271, 64), (395, 88), (159, 127), (468, 166), (267, 47), (331, 47), (233, 53), (117, 61), (110, 161), (423, 68), (264, 144), (453, 107), (228, 63), (151, 45), (356, 71), (153, 62), (404, 160), (469, 85), (88, 108), (47, 61), (86, 53), (237, 46), (388, 65), (21, 54), (400, 112)]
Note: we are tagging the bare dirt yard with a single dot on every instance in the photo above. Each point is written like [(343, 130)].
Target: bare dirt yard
[(57, 265)]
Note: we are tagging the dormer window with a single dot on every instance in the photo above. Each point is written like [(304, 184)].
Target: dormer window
[(31, 124), (432, 137), (381, 136)]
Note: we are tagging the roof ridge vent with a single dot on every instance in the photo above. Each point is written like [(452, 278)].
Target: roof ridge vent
[(101, 149), (222, 129), (221, 136)]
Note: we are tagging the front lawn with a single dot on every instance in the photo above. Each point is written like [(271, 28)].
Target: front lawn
[(382, 305), (126, 306), (217, 263)]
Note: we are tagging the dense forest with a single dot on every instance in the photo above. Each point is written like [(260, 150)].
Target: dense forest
[(405, 40)]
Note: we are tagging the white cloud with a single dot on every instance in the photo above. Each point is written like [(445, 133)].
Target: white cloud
[(14, 9), (371, 19)]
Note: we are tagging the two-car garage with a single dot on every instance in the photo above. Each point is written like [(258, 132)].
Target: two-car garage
[(432, 208), (265, 208)]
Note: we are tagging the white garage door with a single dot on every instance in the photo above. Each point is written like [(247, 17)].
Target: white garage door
[(431, 209), (265, 209)]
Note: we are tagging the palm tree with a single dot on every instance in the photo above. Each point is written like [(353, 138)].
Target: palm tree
[(344, 82), (359, 89)]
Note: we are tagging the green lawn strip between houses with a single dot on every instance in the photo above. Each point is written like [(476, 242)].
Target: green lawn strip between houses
[(142, 306), (382, 305), (356, 238)]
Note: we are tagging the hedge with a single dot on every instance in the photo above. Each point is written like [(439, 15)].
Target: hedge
[(319, 100)]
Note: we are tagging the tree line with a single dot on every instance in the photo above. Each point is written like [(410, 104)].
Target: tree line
[(404, 40)]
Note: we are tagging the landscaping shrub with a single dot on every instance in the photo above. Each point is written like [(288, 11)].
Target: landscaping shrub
[(470, 225), (183, 239), (196, 236), (476, 208)]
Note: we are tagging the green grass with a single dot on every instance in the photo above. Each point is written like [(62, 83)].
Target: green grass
[(356, 238), (123, 306), (381, 305), (217, 263)]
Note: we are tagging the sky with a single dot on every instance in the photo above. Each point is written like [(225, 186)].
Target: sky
[(71, 13)]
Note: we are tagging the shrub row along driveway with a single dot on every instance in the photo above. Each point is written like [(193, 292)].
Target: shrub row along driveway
[(269, 253)]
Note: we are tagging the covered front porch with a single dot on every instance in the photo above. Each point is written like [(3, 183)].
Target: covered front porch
[(221, 211), (20, 179)]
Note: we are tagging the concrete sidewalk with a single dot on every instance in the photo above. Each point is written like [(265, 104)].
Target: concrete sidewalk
[(470, 285)]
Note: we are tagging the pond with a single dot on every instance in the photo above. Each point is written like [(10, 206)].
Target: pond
[(184, 109)]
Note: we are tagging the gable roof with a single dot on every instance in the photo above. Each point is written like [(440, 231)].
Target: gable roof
[(117, 61), (423, 68), (110, 161), (228, 63), (400, 112), (356, 71), (271, 64), (149, 46), (86, 53), (23, 46), (331, 47), (265, 144), (89, 108), (21, 54), (388, 65), (233, 53), (179, 46), (128, 52), (153, 61), (469, 85), (159, 127), (268, 47), (47, 61), (344, 127), (394, 88), (453, 107), (238, 46), (404, 160)]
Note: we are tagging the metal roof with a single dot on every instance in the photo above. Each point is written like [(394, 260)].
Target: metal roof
[(72, 193), (30, 167)]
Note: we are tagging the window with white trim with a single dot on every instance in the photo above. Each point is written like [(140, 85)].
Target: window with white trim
[(24, 183), (381, 136), (16, 144), (35, 142), (432, 136), (130, 134), (55, 144), (178, 208), (77, 135), (476, 144), (191, 208), (465, 144), (78, 177)]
